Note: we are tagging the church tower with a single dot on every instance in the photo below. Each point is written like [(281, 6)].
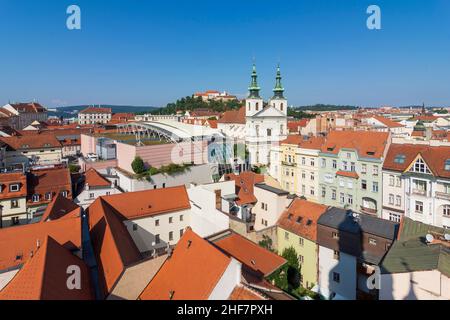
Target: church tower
[(253, 103), (278, 100)]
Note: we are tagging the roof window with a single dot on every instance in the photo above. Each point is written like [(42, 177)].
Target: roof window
[(400, 158), (447, 165)]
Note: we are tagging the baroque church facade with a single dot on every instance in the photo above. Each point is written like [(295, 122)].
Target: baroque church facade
[(266, 123)]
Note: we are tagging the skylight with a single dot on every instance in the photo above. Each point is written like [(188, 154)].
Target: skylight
[(400, 158)]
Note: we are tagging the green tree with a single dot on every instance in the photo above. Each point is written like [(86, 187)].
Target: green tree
[(288, 276), (138, 165)]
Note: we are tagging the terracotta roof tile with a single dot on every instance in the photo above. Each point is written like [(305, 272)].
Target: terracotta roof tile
[(241, 292), (17, 243), (95, 179), (388, 122), (44, 276), (8, 179), (349, 174), (250, 254), (191, 273), (245, 183), (435, 158), (53, 181), (94, 110), (31, 141), (233, 116), (301, 218), (61, 208)]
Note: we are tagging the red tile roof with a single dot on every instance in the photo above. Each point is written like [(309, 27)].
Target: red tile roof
[(95, 179), (32, 141), (114, 248), (8, 179), (16, 243), (388, 122), (294, 126), (94, 110), (241, 292), (44, 276), (301, 218), (368, 144), (133, 205), (245, 183), (302, 142), (191, 273), (233, 116), (434, 157), (53, 181), (349, 174), (250, 254), (61, 208), (31, 107)]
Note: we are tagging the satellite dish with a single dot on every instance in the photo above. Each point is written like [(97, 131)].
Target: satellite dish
[(447, 236), (429, 238)]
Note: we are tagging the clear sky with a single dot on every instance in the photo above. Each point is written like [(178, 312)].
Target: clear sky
[(151, 52)]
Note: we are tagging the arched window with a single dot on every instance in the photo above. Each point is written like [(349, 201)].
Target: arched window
[(281, 106), (257, 106)]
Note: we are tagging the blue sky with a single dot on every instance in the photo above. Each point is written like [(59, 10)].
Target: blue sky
[(151, 52)]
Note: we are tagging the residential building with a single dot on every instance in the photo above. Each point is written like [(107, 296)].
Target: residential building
[(351, 248), (43, 186), (95, 185), (350, 174), (32, 150), (265, 126), (13, 199), (415, 268), (416, 184), (26, 113), (297, 228), (271, 202), (383, 124), (94, 115)]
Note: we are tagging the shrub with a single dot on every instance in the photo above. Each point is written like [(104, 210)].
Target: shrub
[(138, 165)]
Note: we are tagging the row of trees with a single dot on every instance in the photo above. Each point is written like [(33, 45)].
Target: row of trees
[(191, 103)]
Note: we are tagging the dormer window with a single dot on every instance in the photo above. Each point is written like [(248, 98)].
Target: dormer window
[(47, 145), (420, 167), (48, 196), (400, 158), (35, 198), (25, 146), (64, 194), (14, 187), (447, 165)]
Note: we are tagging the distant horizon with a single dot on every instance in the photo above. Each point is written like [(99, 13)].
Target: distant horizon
[(151, 53)]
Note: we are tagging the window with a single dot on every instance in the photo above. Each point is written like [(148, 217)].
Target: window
[(15, 220), (364, 168), (13, 187), (181, 218), (323, 162), (336, 277), (64, 194), (375, 186), (420, 167), (334, 235), (334, 164), (35, 198), (446, 210), (352, 167), (181, 232), (164, 185), (336, 255), (269, 132), (170, 219), (312, 176), (324, 192), (391, 198), (157, 223), (303, 160), (394, 217), (349, 155), (14, 204), (135, 227), (345, 166), (301, 242), (375, 170), (399, 182), (447, 165), (170, 235), (157, 239), (301, 259), (303, 175), (333, 194), (48, 196), (391, 181), (108, 193), (286, 235), (400, 158), (349, 199), (419, 207), (420, 185), (312, 162), (398, 201), (341, 198), (312, 191), (447, 188), (372, 241), (364, 184)]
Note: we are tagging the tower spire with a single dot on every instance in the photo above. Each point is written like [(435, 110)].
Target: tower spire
[(254, 88), (278, 90)]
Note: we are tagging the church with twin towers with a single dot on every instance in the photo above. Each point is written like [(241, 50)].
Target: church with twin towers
[(266, 123)]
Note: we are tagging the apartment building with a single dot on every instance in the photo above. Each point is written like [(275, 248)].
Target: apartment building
[(297, 228), (271, 203), (13, 199), (94, 115), (416, 184), (350, 174), (351, 246), (26, 113)]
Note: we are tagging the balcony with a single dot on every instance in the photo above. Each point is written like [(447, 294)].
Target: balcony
[(443, 195), (419, 192), (290, 164), (368, 210)]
